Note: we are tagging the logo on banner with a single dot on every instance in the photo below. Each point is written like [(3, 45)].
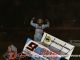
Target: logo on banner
[(32, 46), (47, 40)]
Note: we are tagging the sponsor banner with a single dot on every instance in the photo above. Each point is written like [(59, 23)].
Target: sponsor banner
[(38, 51), (57, 45)]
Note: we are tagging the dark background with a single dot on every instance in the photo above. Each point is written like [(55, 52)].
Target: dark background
[(15, 16)]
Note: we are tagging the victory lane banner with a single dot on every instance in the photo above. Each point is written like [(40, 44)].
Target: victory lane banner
[(58, 46), (38, 51)]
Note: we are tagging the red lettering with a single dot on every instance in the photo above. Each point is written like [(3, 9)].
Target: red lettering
[(46, 52)]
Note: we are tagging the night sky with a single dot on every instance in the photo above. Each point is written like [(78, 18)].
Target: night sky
[(14, 12)]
